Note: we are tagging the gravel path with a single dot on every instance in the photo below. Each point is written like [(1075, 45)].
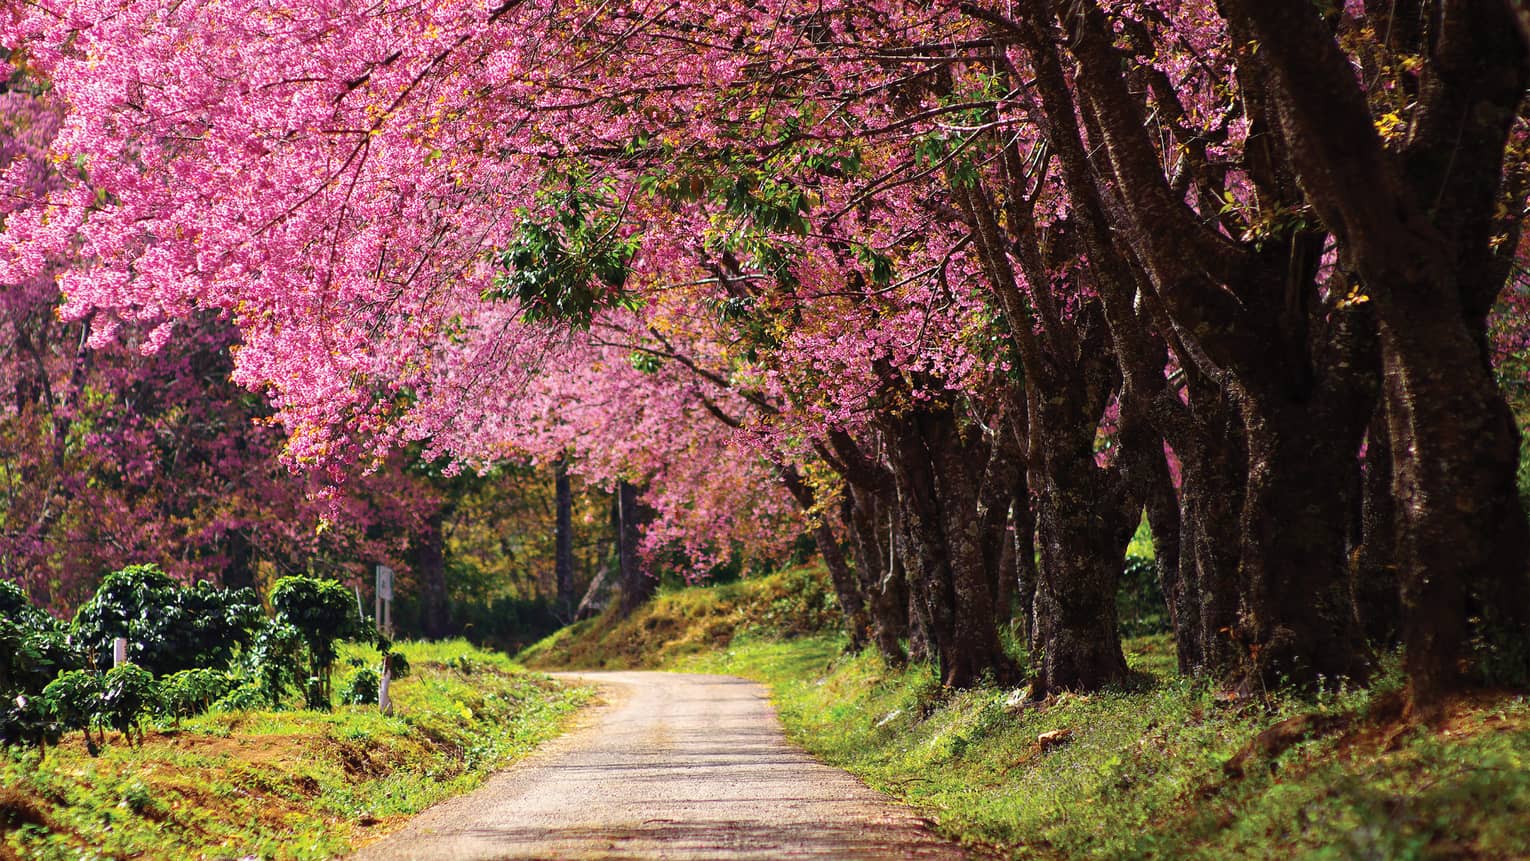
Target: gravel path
[(676, 767)]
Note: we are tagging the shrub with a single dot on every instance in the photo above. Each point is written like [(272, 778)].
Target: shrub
[(128, 692), (168, 628), (248, 696), (189, 693), (73, 700), (24, 720), (323, 612), (361, 688), (274, 663), (34, 647)]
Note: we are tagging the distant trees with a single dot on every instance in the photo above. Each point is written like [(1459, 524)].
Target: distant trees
[(967, 289)]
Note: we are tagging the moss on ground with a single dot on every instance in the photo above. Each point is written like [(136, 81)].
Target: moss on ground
[(1167, 769), (287, 784)]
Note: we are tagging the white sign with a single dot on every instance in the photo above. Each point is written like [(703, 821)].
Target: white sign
[(119, 651), (385, 583)]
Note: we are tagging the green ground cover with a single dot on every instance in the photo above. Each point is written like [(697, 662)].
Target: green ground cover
[(1167, 769), (283, 784)]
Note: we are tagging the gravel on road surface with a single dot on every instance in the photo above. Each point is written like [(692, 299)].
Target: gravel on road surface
[(672, 766)]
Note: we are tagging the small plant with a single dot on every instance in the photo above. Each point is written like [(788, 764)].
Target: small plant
[(360, 688), (275, 662), (128, 693), (74, 701), (189, 693), (322, 612)]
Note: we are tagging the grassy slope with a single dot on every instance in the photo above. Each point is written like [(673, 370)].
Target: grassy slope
[(292, 784), (1142, 773)]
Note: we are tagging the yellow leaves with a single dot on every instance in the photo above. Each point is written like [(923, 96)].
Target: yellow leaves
[(1355, 297), (1390, 126)]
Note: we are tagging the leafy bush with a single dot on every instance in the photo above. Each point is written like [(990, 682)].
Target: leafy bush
[(323, 612), (361, 688), (24, 720), (168, 628), (190, 692), (248, 696), (128, 693), (73, 701), (274, 664), (34, 647)]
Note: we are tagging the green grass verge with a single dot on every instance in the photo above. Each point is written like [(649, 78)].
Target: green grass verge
[(288, 784), (1138, 773)]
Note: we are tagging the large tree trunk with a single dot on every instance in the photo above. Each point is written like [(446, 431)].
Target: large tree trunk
[(563, 540), (1374, 580), (1464, 537), (427, 558), (636, 586), (1299, 622), (948, 575), (1083, 532), (1211, 497)]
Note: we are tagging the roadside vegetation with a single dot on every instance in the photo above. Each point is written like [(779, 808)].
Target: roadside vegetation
[(220, 736), (289, 784), (1163, 767)]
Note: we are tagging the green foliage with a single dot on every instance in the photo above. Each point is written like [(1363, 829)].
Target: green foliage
[(360, 688), (274, 664), (1140, 605), (128, 695), (575, 264), (168, 627), (33, 649), (283, 785), (191, 692), (322, 612), (74, 700), (25, 721)]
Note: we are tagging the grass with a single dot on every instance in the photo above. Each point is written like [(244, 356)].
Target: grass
[(285, 784), (1138, 773)]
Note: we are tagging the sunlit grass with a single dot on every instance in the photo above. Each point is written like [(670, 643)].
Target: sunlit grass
[(1141, 773), (284, 784)]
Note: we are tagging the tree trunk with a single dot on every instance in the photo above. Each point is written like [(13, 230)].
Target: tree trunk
[(1374, 579), (636, 586), (427, 558), (1083, 537), (1464, 543), (952, 587), (563, 540), (1299, 622), (879, 582), (239, 569), (846, 589)]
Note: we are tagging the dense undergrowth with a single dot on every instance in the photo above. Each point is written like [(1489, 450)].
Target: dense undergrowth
[(1166, 769), (282, 784)]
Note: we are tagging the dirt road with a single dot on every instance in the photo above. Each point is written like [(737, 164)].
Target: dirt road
[(675, 767)]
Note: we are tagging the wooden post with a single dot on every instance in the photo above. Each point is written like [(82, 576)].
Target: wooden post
[(384, 700), (385, 600)]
